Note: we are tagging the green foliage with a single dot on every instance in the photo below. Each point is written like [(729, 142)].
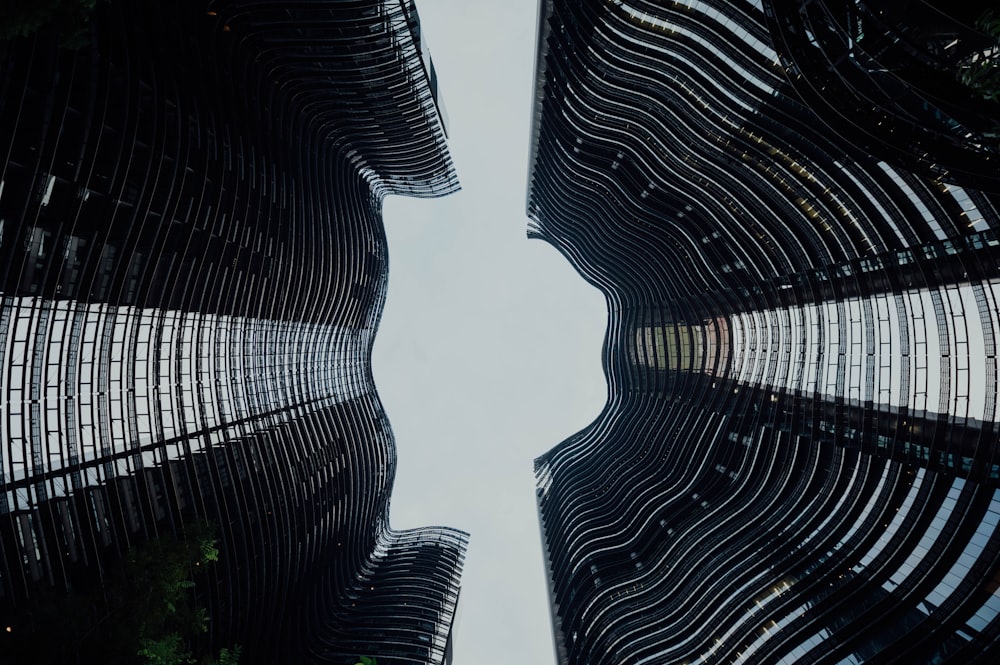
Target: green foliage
[(982, 75), (145, 610), (227, 657), (172, 650), (157, 585), (366, 660), (989, 22), (209, 551), (23, 18), (69, 18), (159, 578), (168, 650)]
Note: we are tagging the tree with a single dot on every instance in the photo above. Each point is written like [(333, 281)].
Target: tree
[(981, 72), (169, 650), (146, 611), (69, 18)]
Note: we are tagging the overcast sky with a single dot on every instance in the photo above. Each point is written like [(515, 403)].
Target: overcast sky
[(489, 351)]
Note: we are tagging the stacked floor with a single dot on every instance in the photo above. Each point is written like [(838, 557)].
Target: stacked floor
[(193, 271), (798, 461)]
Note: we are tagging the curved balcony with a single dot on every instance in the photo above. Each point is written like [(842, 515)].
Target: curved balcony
[(195, 266), (797, 459)]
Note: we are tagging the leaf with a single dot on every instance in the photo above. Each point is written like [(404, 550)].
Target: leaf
[(167, 651)]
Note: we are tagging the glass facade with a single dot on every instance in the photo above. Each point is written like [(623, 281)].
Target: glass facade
[(798, 459), (193, 270)]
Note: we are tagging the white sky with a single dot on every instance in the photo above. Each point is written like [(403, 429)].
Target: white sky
[(489, 351)]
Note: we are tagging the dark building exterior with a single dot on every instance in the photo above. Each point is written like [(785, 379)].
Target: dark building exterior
[(193, 268), (798, 460), (883, 76)]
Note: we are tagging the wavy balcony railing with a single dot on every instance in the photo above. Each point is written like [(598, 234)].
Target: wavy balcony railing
[(194, 269), (798, 459)]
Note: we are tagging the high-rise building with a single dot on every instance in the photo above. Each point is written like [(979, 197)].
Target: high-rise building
[(192, 270), (795, 233)]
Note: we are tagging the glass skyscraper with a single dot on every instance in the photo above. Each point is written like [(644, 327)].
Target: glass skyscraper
[(792, 210), (193, 268)]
